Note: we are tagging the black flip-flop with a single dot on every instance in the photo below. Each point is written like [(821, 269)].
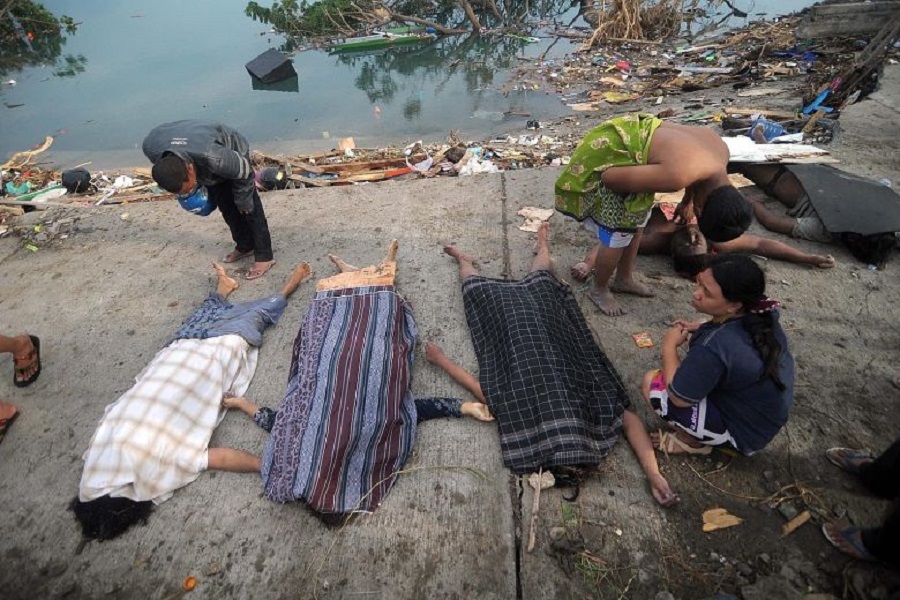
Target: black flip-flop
[(36, 342)]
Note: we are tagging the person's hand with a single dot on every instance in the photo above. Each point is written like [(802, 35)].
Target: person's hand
[(661, 491), (676, 336), (477, 410), (684, 212), (689, 326)]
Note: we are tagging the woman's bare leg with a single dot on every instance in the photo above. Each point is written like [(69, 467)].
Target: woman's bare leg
[(235, 461), (542, 260), (466, 262), (435, 355), (300, 273)]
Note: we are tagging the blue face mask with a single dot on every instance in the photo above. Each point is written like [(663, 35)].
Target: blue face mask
[(196, 201)]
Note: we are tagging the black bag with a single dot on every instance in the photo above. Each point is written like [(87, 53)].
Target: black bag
[(76, 181)]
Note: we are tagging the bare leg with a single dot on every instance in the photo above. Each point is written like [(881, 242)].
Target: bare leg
[(604, 267), (241, 403), (342, 266), (584, 269), (542, 260), (435, 355), (391, 253), (771, 221), (466, 262), (300, 273), (225, 284), (625, 282), (236, 461)]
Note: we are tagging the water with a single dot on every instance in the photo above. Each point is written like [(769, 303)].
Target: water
[(133, 65)]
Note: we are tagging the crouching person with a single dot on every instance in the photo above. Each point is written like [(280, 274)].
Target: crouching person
[(735, 386)]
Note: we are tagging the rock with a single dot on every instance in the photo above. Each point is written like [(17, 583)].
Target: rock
[(744, 569), (765, 558), (664, 596), (557, 533), (787, 510), (773, 587)]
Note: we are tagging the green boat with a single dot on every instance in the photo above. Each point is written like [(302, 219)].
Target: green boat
[(380, 39)]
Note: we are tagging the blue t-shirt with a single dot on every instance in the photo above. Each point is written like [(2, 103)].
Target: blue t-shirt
[(723, 366)]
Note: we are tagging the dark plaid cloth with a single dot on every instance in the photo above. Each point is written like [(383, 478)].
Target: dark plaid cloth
[(557, 399), (347, 422)]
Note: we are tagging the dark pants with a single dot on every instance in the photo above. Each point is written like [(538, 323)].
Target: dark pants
[(249, 231), (882, 478)]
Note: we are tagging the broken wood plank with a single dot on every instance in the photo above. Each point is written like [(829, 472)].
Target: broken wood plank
[(792, 525), (310, 181), (371, 165), (778, 114)]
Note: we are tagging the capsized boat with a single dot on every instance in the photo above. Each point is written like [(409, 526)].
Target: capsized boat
[(379, 39)]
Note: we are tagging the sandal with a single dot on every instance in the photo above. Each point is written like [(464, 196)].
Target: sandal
[(848, 459), (33, 360), (236, 255), (257, 273), (849, 536), (670, 444)]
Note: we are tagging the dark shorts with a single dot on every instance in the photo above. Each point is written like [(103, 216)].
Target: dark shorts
[(702, 421)]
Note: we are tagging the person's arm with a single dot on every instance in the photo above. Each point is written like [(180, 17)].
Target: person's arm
[(235, 167), (643, 449), (435, 355), (673, 338), (643, 179), (684, 212), (768, 248), (236, 461)]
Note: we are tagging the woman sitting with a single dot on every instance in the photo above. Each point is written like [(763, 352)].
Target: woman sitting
[(735, 385)]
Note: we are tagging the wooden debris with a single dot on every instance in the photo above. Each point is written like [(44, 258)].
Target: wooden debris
[(719, 518), (792, 525)]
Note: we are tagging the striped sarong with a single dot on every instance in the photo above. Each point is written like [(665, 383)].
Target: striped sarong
[(347, 422), (557, 398)]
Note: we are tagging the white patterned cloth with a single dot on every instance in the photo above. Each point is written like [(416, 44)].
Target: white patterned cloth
[(155, 438)]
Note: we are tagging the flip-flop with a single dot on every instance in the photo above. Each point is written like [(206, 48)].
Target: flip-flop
[(257, 273), (849, 459), (35, 357), (668, 442), (236, 255), (835, 535)]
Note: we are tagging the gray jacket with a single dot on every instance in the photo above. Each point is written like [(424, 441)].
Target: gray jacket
[(218, 152)]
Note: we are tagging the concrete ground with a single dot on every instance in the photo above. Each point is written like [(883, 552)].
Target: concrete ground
[(456, 525)]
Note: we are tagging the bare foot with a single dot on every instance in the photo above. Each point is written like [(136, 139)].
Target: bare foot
[(606, 302), (458, 254), (477, 411), (678, 442), (226, 284), (584, 269), (631, 287), (433, 352), (239, 402), (823, 262), (342, 266), (301, 272)]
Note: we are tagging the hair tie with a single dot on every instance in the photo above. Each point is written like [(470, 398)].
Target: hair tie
[(764, 305)]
